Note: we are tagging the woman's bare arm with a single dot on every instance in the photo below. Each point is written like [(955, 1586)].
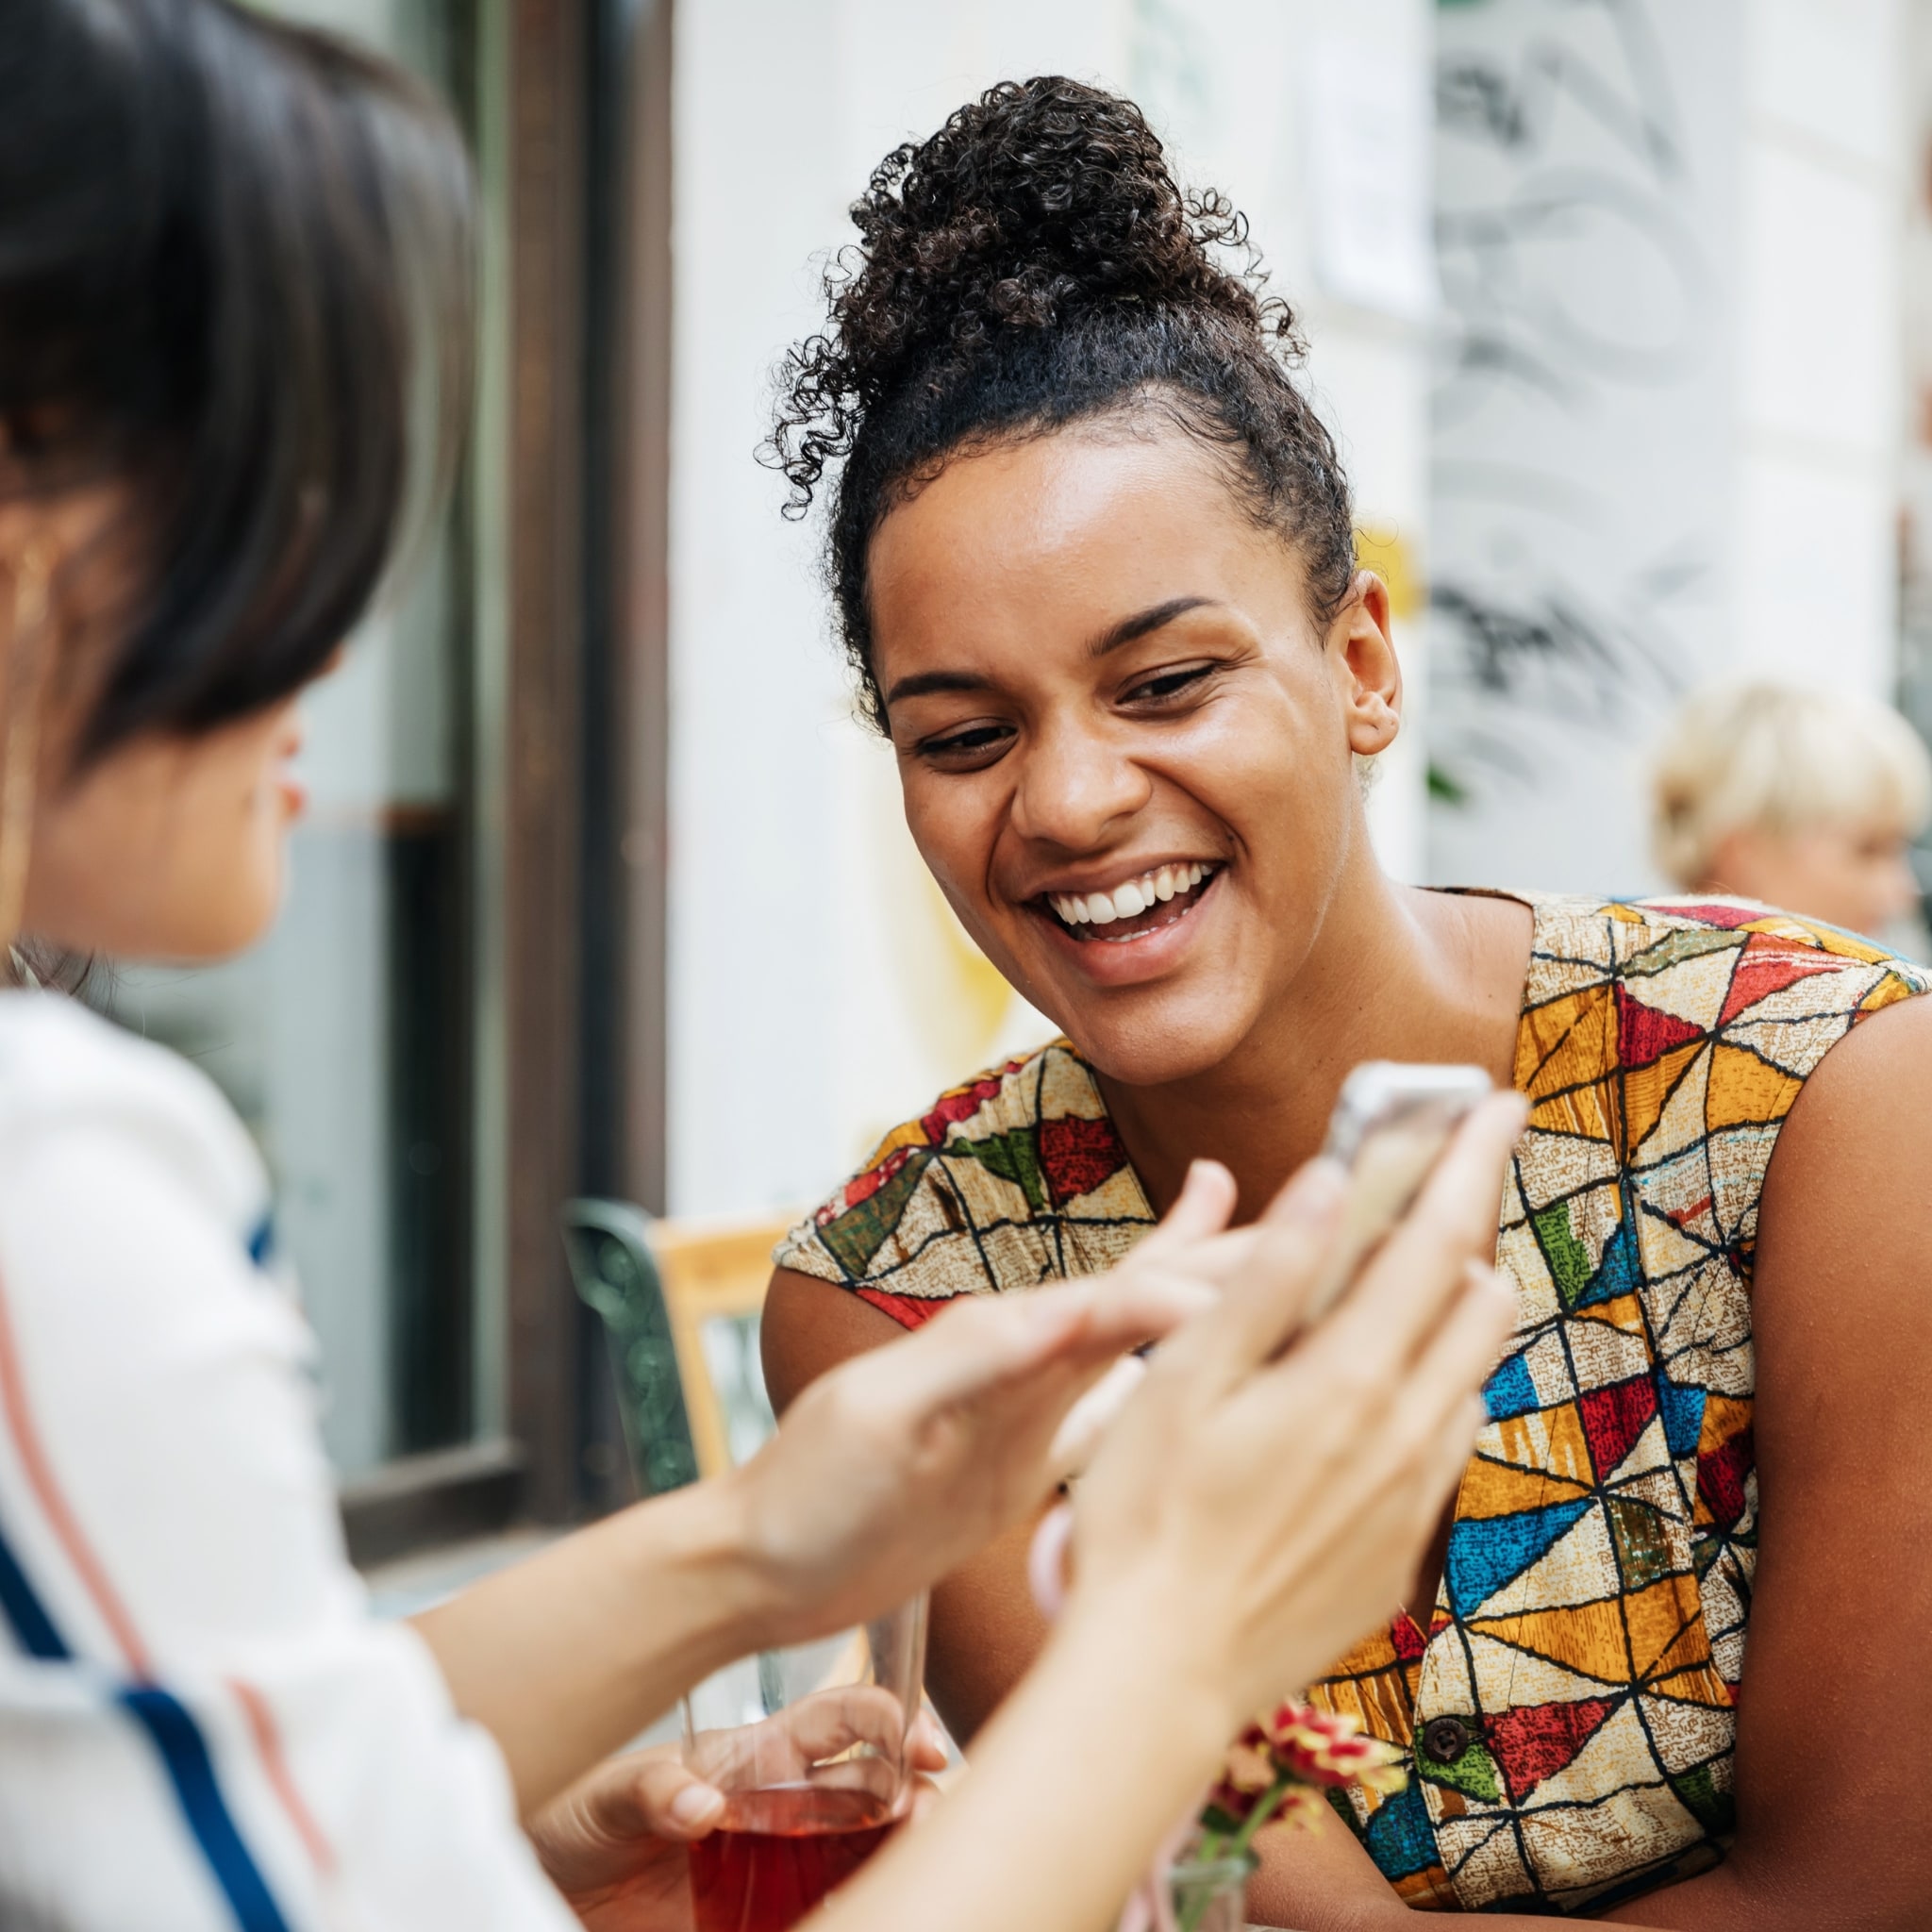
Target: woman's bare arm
[(1834, 1823), (884, 1475)]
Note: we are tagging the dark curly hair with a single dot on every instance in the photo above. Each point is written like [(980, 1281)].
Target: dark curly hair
[(1033, 264)]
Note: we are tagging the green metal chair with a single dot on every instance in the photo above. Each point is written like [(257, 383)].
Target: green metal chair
[(610, 1260)]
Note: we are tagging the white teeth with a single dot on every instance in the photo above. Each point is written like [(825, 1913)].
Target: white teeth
[(1129, 900)]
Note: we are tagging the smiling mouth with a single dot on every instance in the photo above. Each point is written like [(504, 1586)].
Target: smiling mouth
[(1160, 898)]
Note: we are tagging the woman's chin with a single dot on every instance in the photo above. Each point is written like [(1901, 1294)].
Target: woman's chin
[(1155, 1042)]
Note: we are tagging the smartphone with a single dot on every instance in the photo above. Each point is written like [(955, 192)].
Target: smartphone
[(1391, 1123)]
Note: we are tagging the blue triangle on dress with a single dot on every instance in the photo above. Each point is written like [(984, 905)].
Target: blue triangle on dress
[(1400, 1837), (1682, 1408), (1616, 1273), (1491, 1551), (1510, 1390)]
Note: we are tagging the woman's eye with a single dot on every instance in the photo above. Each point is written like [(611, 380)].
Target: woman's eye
[(963, 747), (1167, 684)]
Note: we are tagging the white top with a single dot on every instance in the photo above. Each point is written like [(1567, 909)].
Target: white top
[(201, 1725)]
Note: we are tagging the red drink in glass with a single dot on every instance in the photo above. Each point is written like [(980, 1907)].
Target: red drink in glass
[(778, 1853)]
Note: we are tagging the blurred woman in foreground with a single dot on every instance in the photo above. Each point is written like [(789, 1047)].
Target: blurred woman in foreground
[(231, 254)]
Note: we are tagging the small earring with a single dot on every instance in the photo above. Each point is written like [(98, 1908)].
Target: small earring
[(24, 677)]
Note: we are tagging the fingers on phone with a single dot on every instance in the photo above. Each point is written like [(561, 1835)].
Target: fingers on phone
[(1412, 1282), (1264, 1304)]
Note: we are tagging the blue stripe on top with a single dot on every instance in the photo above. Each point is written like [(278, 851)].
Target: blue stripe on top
[(33, 1629), (261, 1243), (183, 1750)]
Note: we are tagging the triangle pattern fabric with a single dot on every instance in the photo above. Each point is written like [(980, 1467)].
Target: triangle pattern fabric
[(1594, 1606), (1500, 1488), (1614, 1418), (1693, 989), (1534, 1742), (1604, 1756), (1645, 1033), (1766, 966), (1482, 1560), (1585, 1638), (1533, 1676)]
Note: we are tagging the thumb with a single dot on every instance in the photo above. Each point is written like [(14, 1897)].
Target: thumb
[(661, 1799)]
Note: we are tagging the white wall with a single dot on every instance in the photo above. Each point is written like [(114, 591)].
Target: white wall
[(1668, 412), (1819, 377), (1915, 627), (818, 989)]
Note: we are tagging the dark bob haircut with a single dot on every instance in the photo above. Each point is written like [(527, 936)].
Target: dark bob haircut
[(1031, 265), (235, 281)]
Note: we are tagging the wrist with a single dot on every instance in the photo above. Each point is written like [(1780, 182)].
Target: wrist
[(701, 1547), (1180, 1693)]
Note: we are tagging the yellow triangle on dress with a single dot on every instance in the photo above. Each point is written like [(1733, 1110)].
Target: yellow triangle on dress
[(1666, 1627), (1495, 1488), (1699, 1686), (1744, 1091), (1566, 1040), (1548, 1441), (1625, 1313), (1672, 1083), (1590, 1111), (1888, 992), (1506, 1675), (1583, 1637)]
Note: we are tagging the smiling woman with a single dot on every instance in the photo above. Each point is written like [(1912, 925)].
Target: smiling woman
[(1091, 553)]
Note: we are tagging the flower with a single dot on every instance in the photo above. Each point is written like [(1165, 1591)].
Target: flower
[(1279, 1767), (1328, 1748)]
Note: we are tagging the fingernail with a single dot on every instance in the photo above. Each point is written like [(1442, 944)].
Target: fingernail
[(695, 1805)]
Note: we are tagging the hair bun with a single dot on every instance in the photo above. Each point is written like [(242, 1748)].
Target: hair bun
[(1035, 264), (1042, 203)]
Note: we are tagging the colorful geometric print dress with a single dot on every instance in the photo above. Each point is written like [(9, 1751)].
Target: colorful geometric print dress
[(1570, 1711)]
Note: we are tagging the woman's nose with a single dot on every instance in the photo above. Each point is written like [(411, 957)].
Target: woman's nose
[(1075, 786)]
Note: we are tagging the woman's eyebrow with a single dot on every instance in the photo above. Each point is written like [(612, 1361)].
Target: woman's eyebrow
[(1128, 628), (924, 683)]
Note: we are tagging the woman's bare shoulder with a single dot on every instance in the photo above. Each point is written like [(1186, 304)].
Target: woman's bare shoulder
[(810, 1326)]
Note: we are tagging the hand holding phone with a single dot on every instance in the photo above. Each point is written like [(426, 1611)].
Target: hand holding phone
[(1389, 1127), (1391, 1123)]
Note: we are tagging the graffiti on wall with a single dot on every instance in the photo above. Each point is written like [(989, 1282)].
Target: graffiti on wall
[(1579, 418)]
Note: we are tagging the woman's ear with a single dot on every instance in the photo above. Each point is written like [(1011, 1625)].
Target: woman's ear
[(1368, 671)]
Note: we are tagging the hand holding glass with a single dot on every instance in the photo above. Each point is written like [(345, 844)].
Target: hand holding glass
[(809, 1747)]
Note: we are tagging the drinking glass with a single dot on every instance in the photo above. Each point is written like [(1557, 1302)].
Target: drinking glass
[(808, 1746)]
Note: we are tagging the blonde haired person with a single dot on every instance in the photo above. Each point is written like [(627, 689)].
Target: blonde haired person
[(1799, 798)]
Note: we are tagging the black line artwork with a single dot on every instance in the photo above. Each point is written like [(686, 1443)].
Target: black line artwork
[(1571, 549)]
